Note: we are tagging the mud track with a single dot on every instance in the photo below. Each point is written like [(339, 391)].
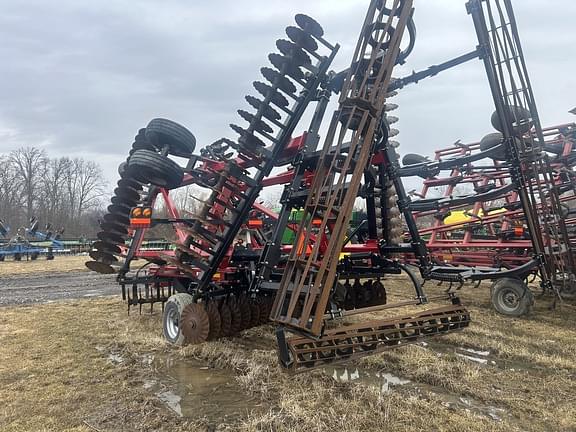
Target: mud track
[(49, 287)]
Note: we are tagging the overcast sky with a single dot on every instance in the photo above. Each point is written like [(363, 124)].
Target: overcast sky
[(79, 78)]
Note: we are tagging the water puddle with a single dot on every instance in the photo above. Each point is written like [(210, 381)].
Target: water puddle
[(384, 381), (112, 357), (481, 357), (468, 404), (115, 358), (192, 389)]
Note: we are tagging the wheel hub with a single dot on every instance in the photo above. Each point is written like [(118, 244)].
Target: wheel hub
[(510, 299)]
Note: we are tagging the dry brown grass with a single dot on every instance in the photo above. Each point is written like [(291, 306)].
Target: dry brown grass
[(53, 378), (41, 265)]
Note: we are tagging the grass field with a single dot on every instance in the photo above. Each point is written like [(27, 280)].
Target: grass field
[(58, 264), (87, 366)]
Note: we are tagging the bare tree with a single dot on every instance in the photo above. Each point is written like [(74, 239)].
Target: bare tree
[(30, 163), (90, 185), (53, 189), (10, 192), (63, 191)]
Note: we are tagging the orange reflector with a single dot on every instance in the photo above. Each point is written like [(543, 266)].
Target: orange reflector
[(140, 217), (255, 223)]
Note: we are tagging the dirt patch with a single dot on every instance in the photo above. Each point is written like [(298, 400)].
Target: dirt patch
[(41, 265), (53, 286), (88, 366)]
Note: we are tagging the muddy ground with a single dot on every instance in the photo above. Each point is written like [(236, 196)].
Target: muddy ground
[(85, 365), (50, 287), (43, 281)]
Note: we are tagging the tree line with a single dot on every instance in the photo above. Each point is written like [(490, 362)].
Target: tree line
[(68, 193)]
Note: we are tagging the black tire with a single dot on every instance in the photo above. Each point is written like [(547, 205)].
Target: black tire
[(520, 113), (149, 167), (162, 132), (492, 140), (2, 257), (413, 159), (34, 256), (171, 318), (17, 257), (511, 297)]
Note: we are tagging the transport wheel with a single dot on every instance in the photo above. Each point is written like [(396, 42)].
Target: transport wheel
[(413, 159), (34, 256), (171, 318), (2, 258), (194, 324), (17, 257), (492, 140), (150, 167), (522, 114), (511, 297), (162, 132)]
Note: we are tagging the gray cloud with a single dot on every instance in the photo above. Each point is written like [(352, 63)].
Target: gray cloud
[(80, 78)]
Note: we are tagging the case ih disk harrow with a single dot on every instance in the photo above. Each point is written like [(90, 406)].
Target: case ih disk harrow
[(212, 285)]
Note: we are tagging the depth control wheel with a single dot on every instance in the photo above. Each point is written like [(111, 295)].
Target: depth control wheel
[(171, 318), (511, 297)]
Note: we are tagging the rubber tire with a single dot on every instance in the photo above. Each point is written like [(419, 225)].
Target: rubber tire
[(520, 113), (175, 305), (162, 132), (150, 167), (525, 297), (413, 159), (492, 140)]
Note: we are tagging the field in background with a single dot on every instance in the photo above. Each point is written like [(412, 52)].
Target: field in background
[(87, 366), (63, 263)]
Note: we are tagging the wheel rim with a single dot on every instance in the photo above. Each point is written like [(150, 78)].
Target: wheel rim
[(509, 299), (172, 324)]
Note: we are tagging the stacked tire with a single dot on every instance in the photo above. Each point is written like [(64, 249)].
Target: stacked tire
[(147, 166)]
